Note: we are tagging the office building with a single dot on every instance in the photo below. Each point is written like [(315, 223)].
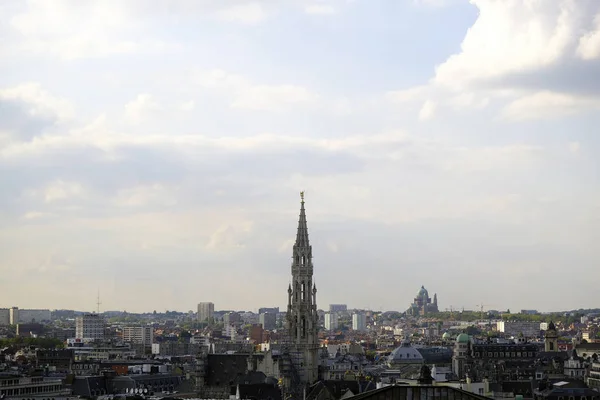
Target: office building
[(89, 326), (139, 335)]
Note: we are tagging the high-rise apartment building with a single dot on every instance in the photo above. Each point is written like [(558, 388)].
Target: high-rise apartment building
[(206, 312), (4, 316), (274, 310), (331, 321), (268, 321), (336, 308), (359, 321), (139, 335), (26, 316), (89, 326)]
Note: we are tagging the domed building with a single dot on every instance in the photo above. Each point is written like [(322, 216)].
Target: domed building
[(403, 355), (422, 305)]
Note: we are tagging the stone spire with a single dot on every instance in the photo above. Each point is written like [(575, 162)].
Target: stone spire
[(302, 234)]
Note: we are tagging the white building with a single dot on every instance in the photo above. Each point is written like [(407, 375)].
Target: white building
[(89, 326), (206, 312), (359, 321), (4, 316), (139, 335), (331, 321)]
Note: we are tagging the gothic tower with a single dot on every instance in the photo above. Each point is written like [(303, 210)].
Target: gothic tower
[(302, 319)]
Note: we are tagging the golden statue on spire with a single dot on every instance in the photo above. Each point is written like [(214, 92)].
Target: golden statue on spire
[(302, 195)]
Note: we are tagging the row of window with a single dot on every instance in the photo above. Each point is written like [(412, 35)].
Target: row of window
[(511, 354)]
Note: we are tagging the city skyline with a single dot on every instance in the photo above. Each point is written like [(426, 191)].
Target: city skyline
[(155, 150)]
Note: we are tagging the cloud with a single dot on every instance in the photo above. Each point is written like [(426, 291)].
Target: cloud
[(427, 111), (39, 102), (251, 13), (186, 145), (589, 43), (513, 36), (525, 58), (319, 9), (248, 95), (142, 106), (60, 190), (548, 104)]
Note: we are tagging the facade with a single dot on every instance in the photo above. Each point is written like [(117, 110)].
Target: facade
[(89, 326), (422, 304), (359, 321), (268, 321), (593, 379), (31, 387), (139, 335), (301, 317), (331, 321), (515, 328), (206, 312)]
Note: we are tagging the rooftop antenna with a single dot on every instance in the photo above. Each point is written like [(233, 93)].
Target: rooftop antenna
[(98, 303)]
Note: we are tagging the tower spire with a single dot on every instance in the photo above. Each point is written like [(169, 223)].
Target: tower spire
[(302, 234), (302, 320)]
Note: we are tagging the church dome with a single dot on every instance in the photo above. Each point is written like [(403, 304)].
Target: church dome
[(462, 338), (446, 336), (423, 292)]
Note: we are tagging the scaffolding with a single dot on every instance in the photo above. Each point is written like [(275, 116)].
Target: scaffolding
[(292, 370)]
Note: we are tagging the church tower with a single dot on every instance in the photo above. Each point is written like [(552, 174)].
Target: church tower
[(551, 338), (302, 319)]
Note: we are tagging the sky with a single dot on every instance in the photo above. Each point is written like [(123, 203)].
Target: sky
[(155, 150)]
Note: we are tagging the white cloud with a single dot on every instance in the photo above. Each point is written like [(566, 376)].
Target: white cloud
[(589, 43), (230, 237), (142, 106), (31, 215), (546, 104), (59, 190), (427, 110), (272, 97), (248, 95), (512, 36), (146, 195), (188, 105), (38, 101), (574, 147), (319, 9), (251, 13)]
